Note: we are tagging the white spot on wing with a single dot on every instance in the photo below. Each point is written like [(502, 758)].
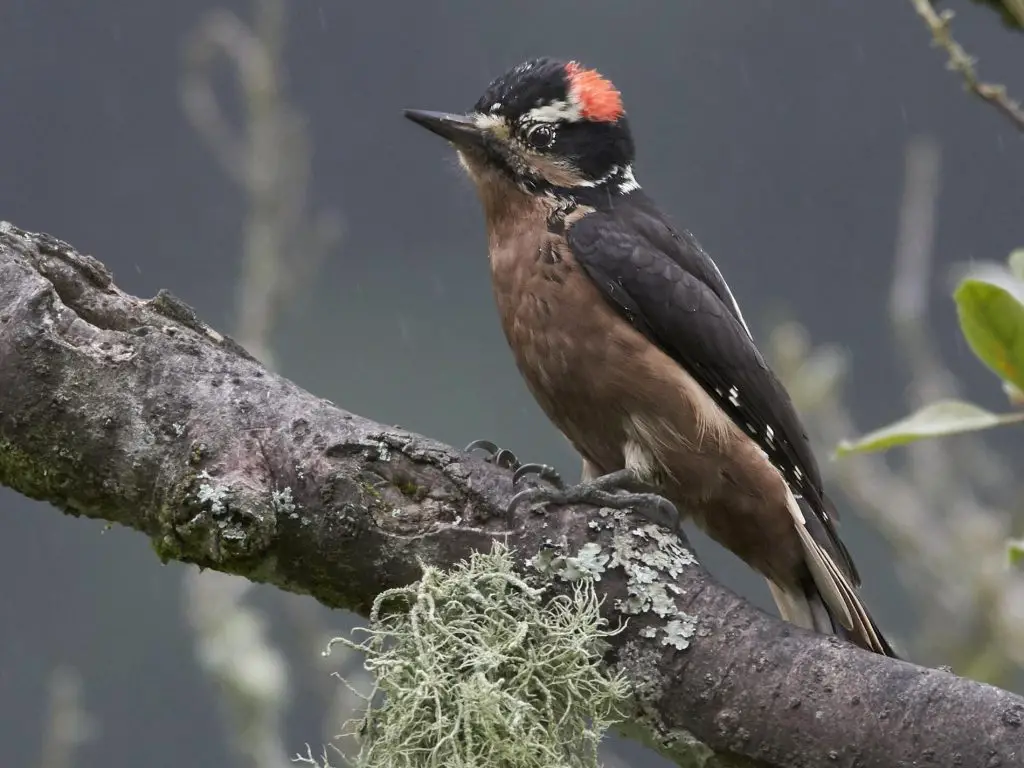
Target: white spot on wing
[(734, 396)]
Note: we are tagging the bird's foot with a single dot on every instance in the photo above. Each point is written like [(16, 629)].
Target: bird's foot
[(614, 491), (545, 472), (502, 457)]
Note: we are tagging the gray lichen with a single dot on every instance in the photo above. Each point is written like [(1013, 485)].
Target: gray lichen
[(212, 496), (650, 556), (652, 559), (282, 502), (478, 669)]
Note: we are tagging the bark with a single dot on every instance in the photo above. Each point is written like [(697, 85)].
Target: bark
[(135, 412)]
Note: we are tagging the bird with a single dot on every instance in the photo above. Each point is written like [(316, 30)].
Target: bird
[(631, 342)]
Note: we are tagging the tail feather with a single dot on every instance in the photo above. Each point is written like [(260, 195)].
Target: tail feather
[(827, 600), (804, 609)]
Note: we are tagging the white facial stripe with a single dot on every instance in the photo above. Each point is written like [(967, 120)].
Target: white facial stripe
[(556, 111)]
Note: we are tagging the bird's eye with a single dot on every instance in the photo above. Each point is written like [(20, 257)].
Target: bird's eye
[(540, 136)]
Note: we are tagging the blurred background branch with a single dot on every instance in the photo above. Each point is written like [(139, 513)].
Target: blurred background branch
[(268, 155), (68, 725), (948, 508), (938, 22)]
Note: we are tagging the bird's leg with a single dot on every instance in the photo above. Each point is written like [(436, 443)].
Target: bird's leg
[(616, 490), (502, 457)]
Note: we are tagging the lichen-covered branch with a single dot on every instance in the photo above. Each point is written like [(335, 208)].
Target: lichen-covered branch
[(267, 154), (136, 412)]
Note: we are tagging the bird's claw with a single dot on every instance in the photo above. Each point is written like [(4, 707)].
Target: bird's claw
[(651, 506), (602, 492), (500, 457), (543, 471)]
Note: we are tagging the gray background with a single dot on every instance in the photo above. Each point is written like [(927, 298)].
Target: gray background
[(776, 131)]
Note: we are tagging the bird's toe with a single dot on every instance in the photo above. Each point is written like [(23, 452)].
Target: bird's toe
[(542, 471), (537, 495), (657, 509), (501, 457)]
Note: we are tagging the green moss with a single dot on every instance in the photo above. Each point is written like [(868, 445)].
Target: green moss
[(167, 548), (19, 471), (373, 499), (410, 490), (370, 490), (197, 454), (36, 478), (178, 506)]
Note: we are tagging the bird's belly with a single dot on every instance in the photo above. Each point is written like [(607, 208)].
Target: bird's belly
[(576, 356), (618, 398), (622, 402)]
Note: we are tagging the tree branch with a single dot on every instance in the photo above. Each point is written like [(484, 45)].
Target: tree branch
[(135, 412), (960, 61)]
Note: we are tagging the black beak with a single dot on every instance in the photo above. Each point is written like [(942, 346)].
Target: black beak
[(460, 130)]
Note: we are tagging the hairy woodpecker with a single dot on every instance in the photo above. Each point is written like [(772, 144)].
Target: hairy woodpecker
[(632, 343)]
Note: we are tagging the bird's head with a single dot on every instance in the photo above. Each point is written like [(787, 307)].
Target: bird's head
[(548, 127)]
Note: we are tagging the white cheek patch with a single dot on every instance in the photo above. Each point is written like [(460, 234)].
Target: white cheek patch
[(628, 182), (625, 181)]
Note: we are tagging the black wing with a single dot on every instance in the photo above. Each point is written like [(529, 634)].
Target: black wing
[(669, 289)]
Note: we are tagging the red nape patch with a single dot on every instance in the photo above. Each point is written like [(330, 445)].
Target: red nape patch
[(598, 98)]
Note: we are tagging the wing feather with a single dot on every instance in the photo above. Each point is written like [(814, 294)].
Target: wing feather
[(664, 284)]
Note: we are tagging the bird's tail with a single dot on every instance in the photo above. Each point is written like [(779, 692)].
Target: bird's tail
[(827, 599)]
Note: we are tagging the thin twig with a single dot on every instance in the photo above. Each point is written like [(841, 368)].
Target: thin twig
[(945, 520), (962, 62), (268, 156)]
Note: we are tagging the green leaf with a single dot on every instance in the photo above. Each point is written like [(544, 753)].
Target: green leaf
[(1015, 552), (945, 417), (1014, 395), (1016, 263), (990, 303)]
